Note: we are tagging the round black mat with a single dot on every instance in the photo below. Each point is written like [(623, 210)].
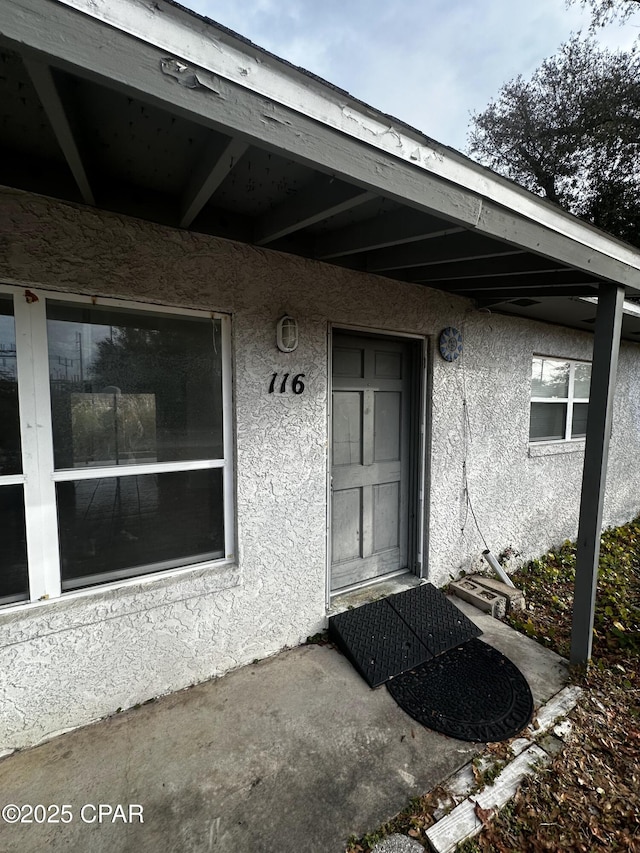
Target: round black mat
[(472, 692)]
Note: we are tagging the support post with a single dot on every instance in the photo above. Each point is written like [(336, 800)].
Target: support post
[(606, 346)]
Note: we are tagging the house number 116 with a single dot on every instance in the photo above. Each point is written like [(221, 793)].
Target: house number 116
[(297, 385)]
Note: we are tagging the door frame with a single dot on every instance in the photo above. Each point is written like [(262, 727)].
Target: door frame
[(417, 545)]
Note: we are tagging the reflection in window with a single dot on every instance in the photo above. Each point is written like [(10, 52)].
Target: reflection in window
[(14, 583), (10, 456), (128, 387), (549, 378), (113, 426), (120, 526), (582, 381)]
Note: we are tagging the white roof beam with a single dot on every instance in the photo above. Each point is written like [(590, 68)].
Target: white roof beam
[(47, 91), (520, 277), (207, 176), (532, 283), (519, 263), (323, 198), (505, 294), (380, 232), (465, 246)]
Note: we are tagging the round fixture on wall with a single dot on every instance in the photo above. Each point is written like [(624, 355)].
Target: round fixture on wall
[(287, 334), (450, 343)]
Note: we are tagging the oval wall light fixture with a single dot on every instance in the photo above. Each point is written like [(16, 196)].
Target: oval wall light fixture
[(287, 334)]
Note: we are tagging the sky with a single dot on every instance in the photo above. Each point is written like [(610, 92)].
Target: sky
[(430, 63)]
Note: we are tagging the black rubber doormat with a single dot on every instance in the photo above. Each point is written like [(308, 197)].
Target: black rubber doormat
[(438, 623), (472, 693), (390, 636), (377, 641)]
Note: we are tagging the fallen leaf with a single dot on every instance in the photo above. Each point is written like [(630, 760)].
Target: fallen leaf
[(483, 815)]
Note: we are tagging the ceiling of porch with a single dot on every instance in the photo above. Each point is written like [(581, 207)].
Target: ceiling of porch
[(70, 131)]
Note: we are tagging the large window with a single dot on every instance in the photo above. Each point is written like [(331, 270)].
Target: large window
[(559, 399), (130, 469)]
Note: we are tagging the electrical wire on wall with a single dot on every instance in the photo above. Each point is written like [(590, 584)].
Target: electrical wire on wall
[(467, 437)]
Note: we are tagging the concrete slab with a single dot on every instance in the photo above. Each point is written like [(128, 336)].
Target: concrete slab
[(294, 753), (546, 672)]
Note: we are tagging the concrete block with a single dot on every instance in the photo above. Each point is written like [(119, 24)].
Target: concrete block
[(556, 708), (398, 844), (514, 597), (482, 598), (463, 822), (461, 783), (520, 744), (551, 744)]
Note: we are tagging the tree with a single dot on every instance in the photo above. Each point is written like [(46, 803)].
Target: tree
[(605, 11), (571, 133)]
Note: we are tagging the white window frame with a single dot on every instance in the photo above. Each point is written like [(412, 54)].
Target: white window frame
[(39, 475), (569, 400)]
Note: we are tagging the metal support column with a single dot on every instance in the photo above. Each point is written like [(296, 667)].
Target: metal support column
[(606, 346)]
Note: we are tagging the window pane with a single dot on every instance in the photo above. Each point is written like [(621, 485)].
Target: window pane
[(549, 378), (548, 421), (10, 457), (128, 388), (14, 584), (579, 423), (582, 381), (137, 524)]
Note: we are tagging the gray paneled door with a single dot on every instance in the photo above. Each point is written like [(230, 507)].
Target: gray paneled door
[(370, 451)]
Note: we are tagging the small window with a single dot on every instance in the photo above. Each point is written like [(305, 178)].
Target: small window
[(559, 399)]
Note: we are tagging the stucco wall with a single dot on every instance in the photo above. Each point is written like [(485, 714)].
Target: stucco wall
[(70, 661)]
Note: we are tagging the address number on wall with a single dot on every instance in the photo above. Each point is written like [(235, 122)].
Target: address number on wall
[(296, 384)]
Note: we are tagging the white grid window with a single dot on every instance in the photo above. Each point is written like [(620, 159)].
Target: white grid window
[(559, 399), (129, 471)]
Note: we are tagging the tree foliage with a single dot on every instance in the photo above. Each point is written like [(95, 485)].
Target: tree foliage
[(571, 133), (605, 11)]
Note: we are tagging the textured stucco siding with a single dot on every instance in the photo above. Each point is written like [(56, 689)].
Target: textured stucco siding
[(68, 662)]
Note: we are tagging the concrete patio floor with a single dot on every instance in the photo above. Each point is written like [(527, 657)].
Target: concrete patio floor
[(289, 755)]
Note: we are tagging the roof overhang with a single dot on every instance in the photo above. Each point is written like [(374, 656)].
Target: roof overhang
[(150, 110)]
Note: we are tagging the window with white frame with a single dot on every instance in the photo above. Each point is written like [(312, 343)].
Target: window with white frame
[(559, 399), (129, 469)]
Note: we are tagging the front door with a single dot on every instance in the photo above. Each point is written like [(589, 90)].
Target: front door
[(370, 457)]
